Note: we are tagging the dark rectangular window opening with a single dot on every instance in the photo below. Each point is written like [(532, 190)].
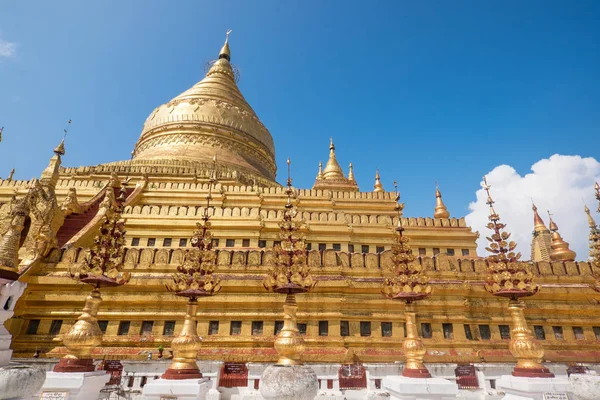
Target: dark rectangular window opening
[(308, 246), (558, 332), (484, 332), (169, 328), (278, 327), (123, 328), (245, 242), (436, 251), (422, 251), (182, 242), (213, 328), (322, 246), (468, 333), (33, 326), (143, 381), (596, 332), (448, 330), (426, 330), (337, 246), (277, 243), (151, 242), (323, 328), (167, 242), (229, 242), (365, 328), (386, 329), (364, 248), (215, 242), (235, 328), (465, 252), (257, 327), (302, 328), (404, 328), (379, 249), (350, 248), (504, 331), (578, 332), (450, 252), (135, 241), (344, 328), (103, 325), (262, 244), (146, 328), (539, 332), (55, 326)]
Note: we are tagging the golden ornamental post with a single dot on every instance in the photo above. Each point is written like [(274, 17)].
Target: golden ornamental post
[(194, 278), (508, 277), (289, 275), (103, 267), (408, 284), (594, 243)]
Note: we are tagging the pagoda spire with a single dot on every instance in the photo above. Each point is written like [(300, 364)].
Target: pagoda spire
[(378, 187), (538, 222), (320, 173), (225, 51), (541, 244), (351, 173), (332, 168), (560, 248), (440, 208)]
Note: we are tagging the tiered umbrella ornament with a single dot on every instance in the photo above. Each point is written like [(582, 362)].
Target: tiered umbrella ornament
[(289, 274), (194, 278), (103, 267), (511, 278), (408, 284)]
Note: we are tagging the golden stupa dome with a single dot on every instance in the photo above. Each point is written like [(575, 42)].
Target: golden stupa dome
[(211, 118)]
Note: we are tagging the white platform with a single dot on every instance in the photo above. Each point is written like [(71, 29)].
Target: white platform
[(520, 388), (403, 388), (181, 389), (79, 385)]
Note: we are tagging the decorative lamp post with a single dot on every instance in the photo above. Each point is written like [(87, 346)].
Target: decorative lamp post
[(408, 284), (289, 275), (194, 278), (103, 267), (508, 277)]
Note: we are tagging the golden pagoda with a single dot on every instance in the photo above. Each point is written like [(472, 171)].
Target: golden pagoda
[(348, 250)]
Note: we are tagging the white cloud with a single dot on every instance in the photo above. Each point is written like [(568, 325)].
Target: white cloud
[(7, 49), (560, 184)]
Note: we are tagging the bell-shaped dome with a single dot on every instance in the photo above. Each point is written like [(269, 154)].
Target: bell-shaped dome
[(211, 118)]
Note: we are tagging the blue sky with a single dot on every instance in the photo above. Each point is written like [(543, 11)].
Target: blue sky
[(425, 91)]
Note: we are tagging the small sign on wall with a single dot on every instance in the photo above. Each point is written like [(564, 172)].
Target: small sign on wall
[(54, 396), (556, 396)]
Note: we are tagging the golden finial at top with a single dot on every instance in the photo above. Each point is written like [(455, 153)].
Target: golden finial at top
[(225, 52), (378, 187), (440, 211), (591, 221), (597, 187), (538, 222), (560, 248), (508, 276)]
